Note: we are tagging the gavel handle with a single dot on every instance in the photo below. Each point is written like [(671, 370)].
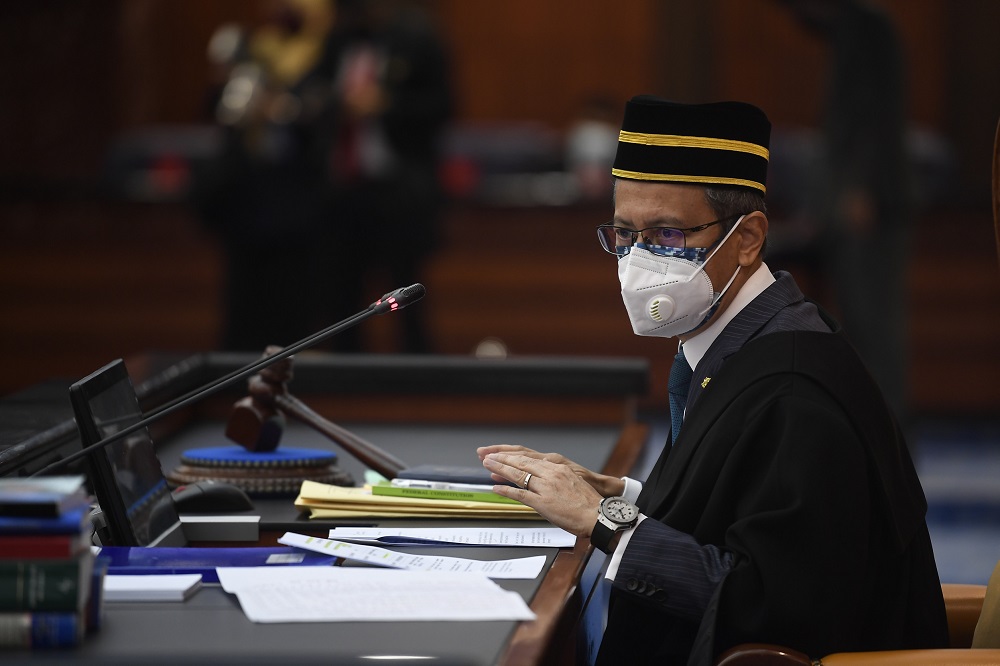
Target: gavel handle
[(384, 463)]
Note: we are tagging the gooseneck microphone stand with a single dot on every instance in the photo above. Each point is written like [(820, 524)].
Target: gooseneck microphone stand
[(391, 302)]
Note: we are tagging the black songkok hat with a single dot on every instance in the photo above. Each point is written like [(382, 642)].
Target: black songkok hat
[(723, 143)]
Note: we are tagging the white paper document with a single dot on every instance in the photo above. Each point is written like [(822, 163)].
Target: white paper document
[(522, 567), (339, 594), (156, 587), (550, 537)]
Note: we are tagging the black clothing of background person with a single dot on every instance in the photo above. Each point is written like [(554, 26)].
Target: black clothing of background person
[(384, 197), (263, 194), (862, 199)]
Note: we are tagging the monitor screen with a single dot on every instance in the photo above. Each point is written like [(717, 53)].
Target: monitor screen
[(126, 474)]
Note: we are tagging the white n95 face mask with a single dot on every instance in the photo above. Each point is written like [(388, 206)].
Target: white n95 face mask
[(666, 296)]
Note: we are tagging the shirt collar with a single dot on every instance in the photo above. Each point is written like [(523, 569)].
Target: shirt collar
[(696, 347)]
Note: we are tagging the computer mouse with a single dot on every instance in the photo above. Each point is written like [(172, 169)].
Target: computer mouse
[(210, 497)]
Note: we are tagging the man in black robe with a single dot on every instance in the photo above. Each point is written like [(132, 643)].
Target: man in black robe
[(785, 507)]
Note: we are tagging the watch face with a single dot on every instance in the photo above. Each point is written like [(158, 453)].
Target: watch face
[(620, 510)]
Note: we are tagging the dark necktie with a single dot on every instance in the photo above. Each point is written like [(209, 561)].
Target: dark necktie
[(677, 386)]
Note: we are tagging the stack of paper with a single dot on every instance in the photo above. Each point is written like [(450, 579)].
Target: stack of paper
[(519, 567), (326, 501), (175, 587), (546, 537), (357, 594)]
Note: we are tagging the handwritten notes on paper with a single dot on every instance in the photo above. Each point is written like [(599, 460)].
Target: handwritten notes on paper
[(523, 567), (347, 594)]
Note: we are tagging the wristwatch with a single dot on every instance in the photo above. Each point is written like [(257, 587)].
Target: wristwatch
[(613, 515)]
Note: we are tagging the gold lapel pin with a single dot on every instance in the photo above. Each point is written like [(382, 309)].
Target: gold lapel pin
[(705, 381)]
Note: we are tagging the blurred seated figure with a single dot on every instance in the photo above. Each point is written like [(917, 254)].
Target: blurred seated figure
[(590, 148)]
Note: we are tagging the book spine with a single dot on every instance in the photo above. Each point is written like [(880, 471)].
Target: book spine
[(40, 630), (94, 613), (41, 507), (437, 494), (72, 522), (32, 546), (45, 585)]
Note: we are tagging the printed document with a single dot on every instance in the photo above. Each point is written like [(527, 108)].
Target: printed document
[(338, 594), (550, 537), (522, 567)]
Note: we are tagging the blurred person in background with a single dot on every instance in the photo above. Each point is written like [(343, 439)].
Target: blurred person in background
[(389, 101), (264, 195), (591, 142), (861, 202)]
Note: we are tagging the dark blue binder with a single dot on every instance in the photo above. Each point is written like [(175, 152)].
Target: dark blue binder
[(137, 560), (449, 473)]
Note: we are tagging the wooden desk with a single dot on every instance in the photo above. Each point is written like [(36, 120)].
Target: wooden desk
[(581, 407)]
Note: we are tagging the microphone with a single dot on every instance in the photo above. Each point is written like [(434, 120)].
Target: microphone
[(399, 299), (390, 302)]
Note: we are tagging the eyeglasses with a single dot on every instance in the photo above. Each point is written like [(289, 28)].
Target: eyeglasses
[(619, 240)]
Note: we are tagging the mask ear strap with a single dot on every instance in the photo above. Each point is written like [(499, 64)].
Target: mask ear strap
[(707, 312), (715, 301), (722, 293), (719, 245)]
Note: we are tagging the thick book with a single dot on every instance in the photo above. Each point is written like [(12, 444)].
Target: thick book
[(41, 630), (137, 560), (42, 546), (74, 521), (46, 585), (440, 494), (38, 630), (45, 496)]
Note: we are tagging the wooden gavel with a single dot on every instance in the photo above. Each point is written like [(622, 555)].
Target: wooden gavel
[(258, 420)]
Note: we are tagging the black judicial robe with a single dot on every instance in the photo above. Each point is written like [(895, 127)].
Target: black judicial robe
[(790, 462)]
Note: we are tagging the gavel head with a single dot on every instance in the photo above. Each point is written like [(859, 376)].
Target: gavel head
[(277, 374), (254, 428), (255, 423)]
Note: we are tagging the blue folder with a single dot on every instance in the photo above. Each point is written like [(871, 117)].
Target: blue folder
[(127, 560)]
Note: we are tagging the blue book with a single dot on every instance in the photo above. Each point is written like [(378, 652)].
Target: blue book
[(94, 612), (141, 560), (46, 496), (41, 630), (70, 522)]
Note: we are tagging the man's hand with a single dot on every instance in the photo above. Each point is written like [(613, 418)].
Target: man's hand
[(607, 486), (555, 489)]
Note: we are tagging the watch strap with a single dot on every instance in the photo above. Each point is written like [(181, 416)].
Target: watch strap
[(601, 536)]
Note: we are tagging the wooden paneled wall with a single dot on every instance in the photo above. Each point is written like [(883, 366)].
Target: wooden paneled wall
[(112, 281), (78, 71), (84, 279)]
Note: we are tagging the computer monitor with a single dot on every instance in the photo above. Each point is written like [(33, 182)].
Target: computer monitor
[(126, 474)]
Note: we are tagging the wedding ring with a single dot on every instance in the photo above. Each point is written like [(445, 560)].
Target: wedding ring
[(527, 480)]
